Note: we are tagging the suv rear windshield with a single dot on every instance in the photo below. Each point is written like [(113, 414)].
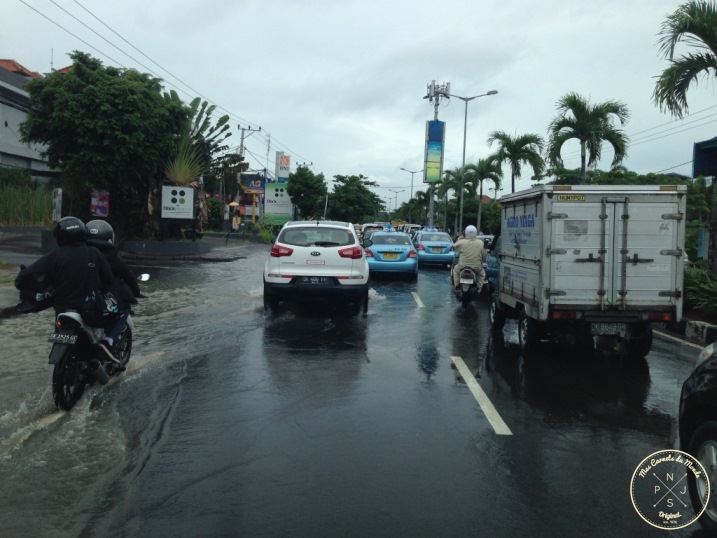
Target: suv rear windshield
[(316, 235)]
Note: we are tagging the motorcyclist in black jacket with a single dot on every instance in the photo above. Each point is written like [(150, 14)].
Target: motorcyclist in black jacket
[(125, 287), (71, 269)]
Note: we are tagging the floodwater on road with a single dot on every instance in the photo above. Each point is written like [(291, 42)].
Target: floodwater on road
[(310, 420)]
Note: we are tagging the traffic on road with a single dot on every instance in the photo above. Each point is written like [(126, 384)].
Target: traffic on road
[(409, 418)]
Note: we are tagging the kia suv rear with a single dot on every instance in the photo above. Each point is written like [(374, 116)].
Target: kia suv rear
[(311, 259)]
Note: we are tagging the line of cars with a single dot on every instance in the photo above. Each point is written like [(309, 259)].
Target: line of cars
[(333, 258)]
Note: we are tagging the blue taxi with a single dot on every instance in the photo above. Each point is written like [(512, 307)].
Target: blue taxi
[(391, 252)]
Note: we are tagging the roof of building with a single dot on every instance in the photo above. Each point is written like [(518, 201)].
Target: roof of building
[(18, 69)]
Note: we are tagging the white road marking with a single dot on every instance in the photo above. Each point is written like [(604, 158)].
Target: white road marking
[(417, 299), (680, 340), (490, 412)]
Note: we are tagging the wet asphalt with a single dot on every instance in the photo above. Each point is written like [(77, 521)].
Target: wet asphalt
[(313, 421)]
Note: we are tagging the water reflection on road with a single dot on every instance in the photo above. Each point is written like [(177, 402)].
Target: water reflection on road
[(313, 421)]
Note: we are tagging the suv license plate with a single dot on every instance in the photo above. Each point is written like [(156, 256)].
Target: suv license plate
[(607, 329), (62, 338), (314, 280)]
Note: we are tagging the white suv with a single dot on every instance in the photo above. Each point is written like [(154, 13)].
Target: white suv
[(316, 258)]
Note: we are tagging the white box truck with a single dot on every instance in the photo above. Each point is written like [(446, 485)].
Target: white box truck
[(589, 260)]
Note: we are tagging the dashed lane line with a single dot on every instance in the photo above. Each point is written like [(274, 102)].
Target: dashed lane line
[(417, 299), (490, 412)]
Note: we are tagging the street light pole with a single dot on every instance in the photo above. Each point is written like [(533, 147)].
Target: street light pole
[(395, 206), (465, 128), (411, 198)]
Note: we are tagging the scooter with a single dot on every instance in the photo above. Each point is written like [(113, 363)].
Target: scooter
[(467, 289), (78, 359)]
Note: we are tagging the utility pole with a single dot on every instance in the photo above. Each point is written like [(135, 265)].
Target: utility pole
[(241, 142), (434, 95)]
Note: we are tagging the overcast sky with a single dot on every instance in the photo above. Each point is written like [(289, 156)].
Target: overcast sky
[(340, 83)]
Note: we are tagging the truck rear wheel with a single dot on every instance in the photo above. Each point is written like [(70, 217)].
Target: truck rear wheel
[(495, 315), (640, 341), (528, 332)]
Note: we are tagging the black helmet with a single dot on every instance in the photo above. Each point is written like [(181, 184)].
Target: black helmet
[(100, 230), (69, 230)]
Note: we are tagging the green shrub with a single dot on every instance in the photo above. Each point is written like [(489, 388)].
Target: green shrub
[(700, 290), (214, 214)]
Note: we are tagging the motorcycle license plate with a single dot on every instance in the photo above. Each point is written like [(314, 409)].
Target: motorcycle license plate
[(390, 256), (57, 338), (314, 280), (466, 281), (607, 329)]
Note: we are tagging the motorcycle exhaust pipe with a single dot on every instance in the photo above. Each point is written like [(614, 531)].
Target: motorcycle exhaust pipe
[(98, 372)]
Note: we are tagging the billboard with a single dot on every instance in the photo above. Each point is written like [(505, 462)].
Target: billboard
[(177, 202), (277, 204), (253, 183), (283, 167), (435, 138)]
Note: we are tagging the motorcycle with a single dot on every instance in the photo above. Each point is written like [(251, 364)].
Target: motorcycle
[(467, 289), (79, 361)]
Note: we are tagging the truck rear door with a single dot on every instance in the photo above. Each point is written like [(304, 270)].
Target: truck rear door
[(607, 251)]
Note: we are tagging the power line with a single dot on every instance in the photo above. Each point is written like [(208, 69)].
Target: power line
[(197, 93)]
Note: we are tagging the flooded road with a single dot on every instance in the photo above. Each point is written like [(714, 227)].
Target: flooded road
[(310, 421)]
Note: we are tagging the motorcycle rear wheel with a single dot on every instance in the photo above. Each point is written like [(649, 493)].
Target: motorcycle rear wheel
[(68, 381), (122, 350)]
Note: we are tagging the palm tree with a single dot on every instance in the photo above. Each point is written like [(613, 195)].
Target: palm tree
[(420, 203), (523, 149), (447, 184), (591, 125), (694, 22), (459, 176), (485, 169)]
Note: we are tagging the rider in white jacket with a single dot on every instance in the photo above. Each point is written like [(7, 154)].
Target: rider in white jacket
[(472, 254)]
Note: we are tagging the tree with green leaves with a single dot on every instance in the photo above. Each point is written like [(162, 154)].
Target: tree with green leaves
[(352, 201), (462, 177), (104, 128), (591, 125), (517, 151), (307, 192), (485, 169), (452, 180), (695, 23)]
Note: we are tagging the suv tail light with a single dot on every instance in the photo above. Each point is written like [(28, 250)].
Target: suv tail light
[(277, 251), (355, 253)]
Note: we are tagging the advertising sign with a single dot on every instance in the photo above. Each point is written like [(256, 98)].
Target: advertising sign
[(100, 203), (177, 202), (277, 204), (283, 167), (435, 137), (253, 183)]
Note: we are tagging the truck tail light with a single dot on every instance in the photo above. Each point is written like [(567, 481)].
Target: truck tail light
[(659, 316), (563, 314)]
